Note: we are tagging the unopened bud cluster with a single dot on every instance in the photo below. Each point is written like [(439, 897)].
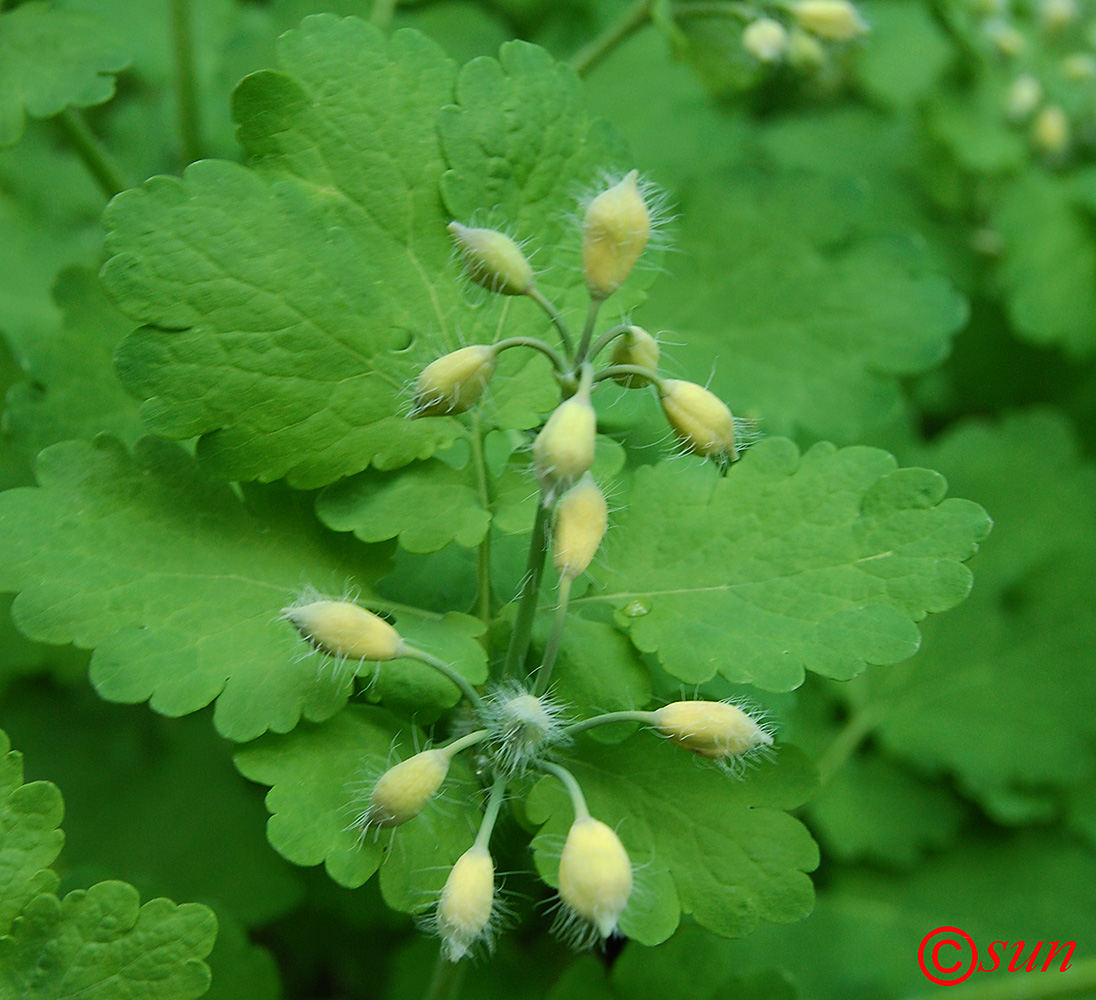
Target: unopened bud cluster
[(800, 33), (517, 727)]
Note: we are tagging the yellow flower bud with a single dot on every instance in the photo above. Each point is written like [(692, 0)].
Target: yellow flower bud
[(581, 518), (564, 449), (615, 233), (493, 260), (346, 630), (833, 20), (636, 347), (454, 382), (1078, 67), (1005, 37), (403, 791), (595, 874), (765, 39), (1050, 131), (1054, 15), (1023, 97), (699, 418), (804, 51), (464, 910), (711, 729)]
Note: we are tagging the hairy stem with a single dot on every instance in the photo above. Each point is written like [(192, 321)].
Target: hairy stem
[(607, 338), (611, 371), (557, 320), (1077, 981), (551, 651), (483, 487), (592, 53), (588, 330), (185, 81), (530, 595), (446, 979), (442, 667), (491, 813), (464, 742), (536, 345), (646, 718), (88, 148), (578, 800)]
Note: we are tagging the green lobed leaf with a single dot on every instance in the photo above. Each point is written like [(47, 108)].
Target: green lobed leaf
[(907, 53), (1048, 270), (1007, 678), (30, 840), (51, 59), (804, 322), (101, 944), (179, 585), (72, 392), (321, 777), (289, 303), (818, 562), (155, 802), (707, 845), (862, 939), (241, 970)]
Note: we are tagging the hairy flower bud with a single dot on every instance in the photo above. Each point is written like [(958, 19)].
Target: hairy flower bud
[(1050, 131), (765, 39), (464, 910), (346, 630), (595, 874), (615, 232), (564, 449), (699, 418), (712, 729), (636, 347), (1023, 97), (581, 517), (454, 382), (833, 20), (493, 260), (403, 791)]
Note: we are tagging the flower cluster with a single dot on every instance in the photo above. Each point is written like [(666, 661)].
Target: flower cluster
[(517, 727)]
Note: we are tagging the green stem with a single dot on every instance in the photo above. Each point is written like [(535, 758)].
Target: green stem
[(557, 320), (456, 746), (530, 595), (185, 80), (646, 718), (442, 667), (87, 147), (1077, 981), (578, 800), (607, 338), (382, 13), (537, 345), (591, 54), (483, 582), (611, 371), (490, 814), (588, 330), (446, 979), (853, 733), (551, 651)]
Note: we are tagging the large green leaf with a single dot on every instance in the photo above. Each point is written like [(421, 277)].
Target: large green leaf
[(29, 836), (178, 585), (100, 944), (819, 562), (51, 59), (289, 303)]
